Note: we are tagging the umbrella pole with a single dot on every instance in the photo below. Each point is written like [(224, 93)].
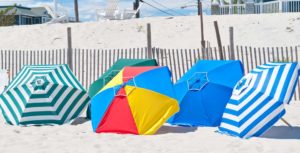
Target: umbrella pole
[(286, 122)]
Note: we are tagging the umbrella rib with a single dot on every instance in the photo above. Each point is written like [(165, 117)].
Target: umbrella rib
[(286, 122)]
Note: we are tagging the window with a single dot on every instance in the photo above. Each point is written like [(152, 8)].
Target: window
[(26, 20), (37, 20)]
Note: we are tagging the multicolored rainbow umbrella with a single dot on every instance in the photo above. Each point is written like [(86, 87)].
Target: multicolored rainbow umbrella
[(137, 101), (112, 72)]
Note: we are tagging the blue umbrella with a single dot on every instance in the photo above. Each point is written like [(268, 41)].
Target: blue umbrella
[(258, 99), (204, 90)]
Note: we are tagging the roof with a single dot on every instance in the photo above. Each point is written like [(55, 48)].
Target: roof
[(41, 11), (35, 11)]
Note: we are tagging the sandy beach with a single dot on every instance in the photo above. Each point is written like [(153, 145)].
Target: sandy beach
[(78, 138), (168, 32), (263, 30)]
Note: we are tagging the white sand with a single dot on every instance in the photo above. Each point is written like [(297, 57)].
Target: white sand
[(80, 139), (179, 32)]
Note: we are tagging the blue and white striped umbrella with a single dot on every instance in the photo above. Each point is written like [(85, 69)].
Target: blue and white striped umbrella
[(258, 99), (43, 94)]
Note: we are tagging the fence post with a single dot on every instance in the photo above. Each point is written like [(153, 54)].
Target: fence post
[(149, 43), (200, 13), (231, 41), (69, 51), (219, 40)]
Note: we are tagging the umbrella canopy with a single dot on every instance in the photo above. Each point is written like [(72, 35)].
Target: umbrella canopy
[(43, 94), (258, 99), (137, 101), (204, 91), (113, 71)]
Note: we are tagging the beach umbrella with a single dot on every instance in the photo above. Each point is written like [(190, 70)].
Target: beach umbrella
[(96, 86), (137, 101), (258, 99), (204, 90), (43, 94)]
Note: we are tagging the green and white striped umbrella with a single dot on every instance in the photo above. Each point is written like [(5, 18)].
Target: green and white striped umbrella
[(43, 94)]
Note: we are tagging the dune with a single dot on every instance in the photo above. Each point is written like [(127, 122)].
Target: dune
[(263, 30)]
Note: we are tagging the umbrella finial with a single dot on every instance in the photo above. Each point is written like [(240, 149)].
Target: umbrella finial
[(39, 83), (198, 81)]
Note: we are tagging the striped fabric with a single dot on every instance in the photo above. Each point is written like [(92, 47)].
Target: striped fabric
[(43, 94), (257, 102)]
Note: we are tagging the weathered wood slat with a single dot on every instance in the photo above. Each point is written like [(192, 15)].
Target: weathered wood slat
[(98, 63), (259, 57), (102, 59), (287, 54), (178, 63), (174, 64), (277, 55), (282, 55), (268, 58), (192, 61), (237, 53), (240, 49), (9, 65), (296, 53), (94, 65), (183, 61), (23, 58), (165, 55), (255, 58), (12, 63), (264, 55), (2, 59), (85, 84), (75, 63), (138, 53), (82, 65), (247, 58), (91, 78), (292, 55)]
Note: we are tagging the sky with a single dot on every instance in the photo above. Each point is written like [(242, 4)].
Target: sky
[(87, 8)]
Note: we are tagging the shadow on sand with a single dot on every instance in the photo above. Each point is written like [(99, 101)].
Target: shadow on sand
[(175, 129), (79, 120), (283, 132)]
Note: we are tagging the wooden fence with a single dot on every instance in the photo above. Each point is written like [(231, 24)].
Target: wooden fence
[(89, 64)]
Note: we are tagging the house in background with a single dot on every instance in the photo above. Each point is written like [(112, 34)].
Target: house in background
[(29, 16), (222, 7)]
